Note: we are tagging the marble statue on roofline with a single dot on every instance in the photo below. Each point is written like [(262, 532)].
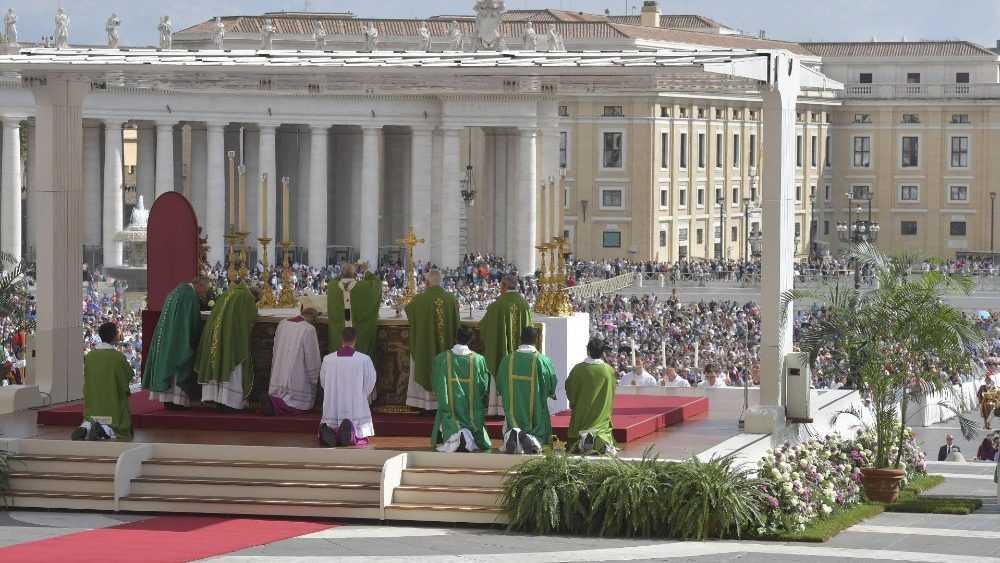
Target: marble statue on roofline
[(166, 29), (10, 28), (219, 33), (62, 29), (425, 38), (267, 35), (371, 37), (111, 27), (319, 36), (489, 16), (556, 44), (529, 39), (455, 37)]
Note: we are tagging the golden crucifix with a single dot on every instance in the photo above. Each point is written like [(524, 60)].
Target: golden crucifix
[(409, 241)]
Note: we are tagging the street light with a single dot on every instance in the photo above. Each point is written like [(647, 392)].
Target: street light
[(745, 251), (993, 201), (858, 231), (722, 228)]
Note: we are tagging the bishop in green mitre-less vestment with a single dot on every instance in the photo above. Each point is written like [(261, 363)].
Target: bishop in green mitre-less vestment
[(590, 389), (461, 385), (168, 374), (433, 319), (355, 303), (224, 363), (526, 380), (500, 331), (106, 378)]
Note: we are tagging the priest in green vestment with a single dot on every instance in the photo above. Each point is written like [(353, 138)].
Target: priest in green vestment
[(433, 318), (168, 375), (224, 363), (355, 303), (590, 389), (526, 380), (461, 385), (106, 378), (500, 330)]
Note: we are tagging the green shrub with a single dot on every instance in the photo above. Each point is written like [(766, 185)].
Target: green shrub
[(715, 499), (631, 499), (549, 495)]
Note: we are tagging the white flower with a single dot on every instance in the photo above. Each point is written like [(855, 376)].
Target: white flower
[(826, 509)]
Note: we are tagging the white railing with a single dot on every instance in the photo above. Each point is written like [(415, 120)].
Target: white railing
[(603, 287), (936, 90)]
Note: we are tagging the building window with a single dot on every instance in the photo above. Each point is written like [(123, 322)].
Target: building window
[(913, 78), (663, 239), (959, 152), (717, 232), (612, 150), (682, 252), (961, 78), (699, 236), (753, 151), (663, 197), (798, 230), (907, 228), (813, 151), (957, 229), (611, 198), (682, 234), (909, 193), (862, 118), (701, 113), (734, 234), (960, 118), (719, 152), (736, 150), (701, 150), (826, 192), (684, 112), (719, 114), (664, 111), (862, 152), (613, 111), (827, 152), (826, 228), (718, 196), (563, 111), (682, 197), (911, 151), (736, 196), (563, 149), (684, 150), (911, 118), (611, 239), (861, 191), (798, 151), (798, 194), (958, 193), (664, 150), (701, 197), (865, 78)]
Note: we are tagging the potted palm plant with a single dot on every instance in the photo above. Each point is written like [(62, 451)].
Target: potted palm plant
[(893, 343)]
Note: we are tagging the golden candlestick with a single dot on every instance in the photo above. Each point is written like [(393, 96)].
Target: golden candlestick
[(544, 293), (267, 300), (410, 241), (561, 306), (232, 255), (244, 270), (286, 298)]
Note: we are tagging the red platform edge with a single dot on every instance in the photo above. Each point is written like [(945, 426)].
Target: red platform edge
[(634, 417)]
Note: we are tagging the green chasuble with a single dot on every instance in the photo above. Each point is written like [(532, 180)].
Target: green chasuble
[(171, 354), (433, 317), (225, 342), (364, 298), (462, 388), (590, 389), (526, 380), (500, 329), (106, 378)]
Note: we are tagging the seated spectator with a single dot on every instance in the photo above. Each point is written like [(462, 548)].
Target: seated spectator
[(712, 379), (670, 379)]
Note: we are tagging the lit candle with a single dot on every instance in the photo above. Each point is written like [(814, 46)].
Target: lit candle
[(232, 187), (243, 198), (632, 342), (663, 353), (262, 216), (284, 208)]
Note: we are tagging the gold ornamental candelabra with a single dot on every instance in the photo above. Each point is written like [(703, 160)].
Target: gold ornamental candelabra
[(553, 299), (236, 269), (544, 298), (267, 299), (286, 298)]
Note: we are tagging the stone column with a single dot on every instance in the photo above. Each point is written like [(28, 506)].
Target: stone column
[(215, 192), (299, 228), (114, 205), (57, 186), (145, 173), (92, 185), (318, 196), (778, 222), (525, 233), (269, 166), (371, 159), (450, 197), (10, 188), (421, 148), (165, 157)]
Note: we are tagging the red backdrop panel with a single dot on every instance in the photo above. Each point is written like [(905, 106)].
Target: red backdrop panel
[(172, 256)]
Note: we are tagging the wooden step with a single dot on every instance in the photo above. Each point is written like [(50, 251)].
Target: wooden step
[(251, 506), (25, 481), (445, 513), (271, 471), (255, 488), (449, 477), (64, 458), (241, 500), (91, 465), (451, 496), (60, 500)]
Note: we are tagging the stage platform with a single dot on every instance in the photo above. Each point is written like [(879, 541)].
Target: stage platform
[(634, 417)]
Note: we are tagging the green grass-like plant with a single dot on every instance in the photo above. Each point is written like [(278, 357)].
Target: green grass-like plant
[(715, 499), (631, 499), (4, 478), (549, 495)]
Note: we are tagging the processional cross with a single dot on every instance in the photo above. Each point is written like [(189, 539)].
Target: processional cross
[(409, 241)]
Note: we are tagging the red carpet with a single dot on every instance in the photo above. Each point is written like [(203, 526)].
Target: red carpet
[(634, 416), (162, 539)]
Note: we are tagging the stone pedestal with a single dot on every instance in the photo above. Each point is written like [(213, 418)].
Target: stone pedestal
[(566, 344)]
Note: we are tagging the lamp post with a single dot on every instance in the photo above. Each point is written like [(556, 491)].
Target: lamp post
[(722, 228), (859, 230), (993, 201), (813, 226), (745, 251)]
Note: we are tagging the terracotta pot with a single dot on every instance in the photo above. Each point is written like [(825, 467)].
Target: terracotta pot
[(882, 485)]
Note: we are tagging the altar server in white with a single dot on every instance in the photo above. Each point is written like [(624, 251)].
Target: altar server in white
[(638, 377), (295, 366), (348, 379)]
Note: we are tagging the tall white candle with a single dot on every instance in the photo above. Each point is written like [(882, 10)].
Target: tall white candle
[(284, 208), (243, 198), (632, 345), (262, 216)]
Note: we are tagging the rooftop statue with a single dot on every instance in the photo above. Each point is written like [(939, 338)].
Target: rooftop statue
[(425, 38), (319, 36), (267, 35), (111, 27), (10, 28), (489, 16), (62, 29), (219, 33), (166, 28), (455, 37), (371, 37), (529, 39), (556, 44)]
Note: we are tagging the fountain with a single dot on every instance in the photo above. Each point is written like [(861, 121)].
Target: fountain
[(133, 270)]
